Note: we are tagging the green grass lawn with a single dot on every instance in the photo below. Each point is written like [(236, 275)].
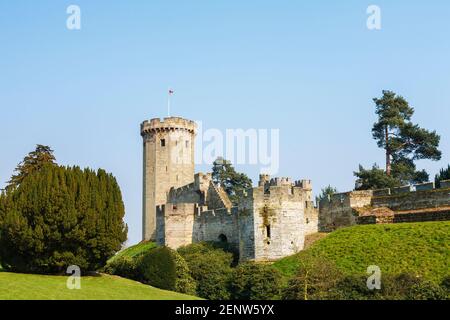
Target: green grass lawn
[(420, 248), (135, 250), (15, 286)]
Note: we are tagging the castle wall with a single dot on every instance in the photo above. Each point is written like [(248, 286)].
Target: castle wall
[(338, 210), (272, 223), (346, 209), (414, 200), (175, 224), (217, 225)]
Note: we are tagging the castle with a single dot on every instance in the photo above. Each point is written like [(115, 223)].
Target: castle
[(271, 220), (180, 207)]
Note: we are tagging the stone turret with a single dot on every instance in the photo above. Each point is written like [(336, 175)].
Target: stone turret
[(168, 163)]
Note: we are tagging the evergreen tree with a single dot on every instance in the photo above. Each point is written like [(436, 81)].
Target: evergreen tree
[(326, 192), (34, 161), (231, 181), (444, 174), (59, 216), (403, 143), (402, 140)]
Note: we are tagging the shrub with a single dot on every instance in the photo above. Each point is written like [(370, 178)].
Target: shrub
[(125, 267), (211, 269), (404, 286), (59, 216), (164, 268), (253, 281), (315, 280)]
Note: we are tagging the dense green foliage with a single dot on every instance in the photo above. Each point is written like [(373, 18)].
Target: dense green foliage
[(164, 268), (375, 178), (444, 174), (59, 216), (234, 183), (253, 281), (15, 286), (211, 269), (315, 278), (403, 143), (125, 263), (34, 161), (417, 248)]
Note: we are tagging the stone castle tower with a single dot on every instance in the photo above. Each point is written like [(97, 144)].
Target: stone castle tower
[(168, 162)]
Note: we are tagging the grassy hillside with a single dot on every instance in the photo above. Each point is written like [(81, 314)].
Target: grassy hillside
[(135, 250), (14, 286), (420, 248)]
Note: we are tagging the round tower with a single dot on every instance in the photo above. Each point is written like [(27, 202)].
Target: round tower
[(168, 162)]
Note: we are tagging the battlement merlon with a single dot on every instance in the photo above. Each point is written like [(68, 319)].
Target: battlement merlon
[(168, 124)]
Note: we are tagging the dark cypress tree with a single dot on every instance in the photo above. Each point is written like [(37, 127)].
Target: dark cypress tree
[(61, 216)]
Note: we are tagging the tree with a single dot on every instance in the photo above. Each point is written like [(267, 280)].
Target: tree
[(59, 216), (34, 161), (255, 281), (315, 279), (231, 181), (402, 140), (326, 192), (403, 143), (444, 174), (375, 178), (211, 269), (164, 268)]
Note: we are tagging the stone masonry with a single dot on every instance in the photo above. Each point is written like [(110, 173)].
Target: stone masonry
[(180, 207), (419, 203)]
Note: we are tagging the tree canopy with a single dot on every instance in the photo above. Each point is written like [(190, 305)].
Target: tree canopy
[(59, 216), (34, 161), (403, 143), (224, 174)]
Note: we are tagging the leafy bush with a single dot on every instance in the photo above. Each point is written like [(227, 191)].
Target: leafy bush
[(164, 268), (211, 269), (125, 267), (59, 216), (253, 281), (316, 279)]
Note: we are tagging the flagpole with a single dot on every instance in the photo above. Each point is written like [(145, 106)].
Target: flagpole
[(168, 102)]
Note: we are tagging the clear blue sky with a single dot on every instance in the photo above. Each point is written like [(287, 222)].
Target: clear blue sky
[(309, 69)]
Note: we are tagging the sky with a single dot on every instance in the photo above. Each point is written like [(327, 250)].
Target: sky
[(309, 69)]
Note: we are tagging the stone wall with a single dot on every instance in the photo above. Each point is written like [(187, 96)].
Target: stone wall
[(360, 207), (272, 222)]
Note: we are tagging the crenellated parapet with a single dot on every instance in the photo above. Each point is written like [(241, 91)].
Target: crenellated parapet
[(168, 125)]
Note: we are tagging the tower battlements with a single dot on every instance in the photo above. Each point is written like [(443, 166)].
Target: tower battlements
[(168, 124)]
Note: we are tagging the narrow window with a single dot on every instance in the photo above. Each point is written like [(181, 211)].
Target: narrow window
[(187, 144), (163, 142), (268, 231)]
